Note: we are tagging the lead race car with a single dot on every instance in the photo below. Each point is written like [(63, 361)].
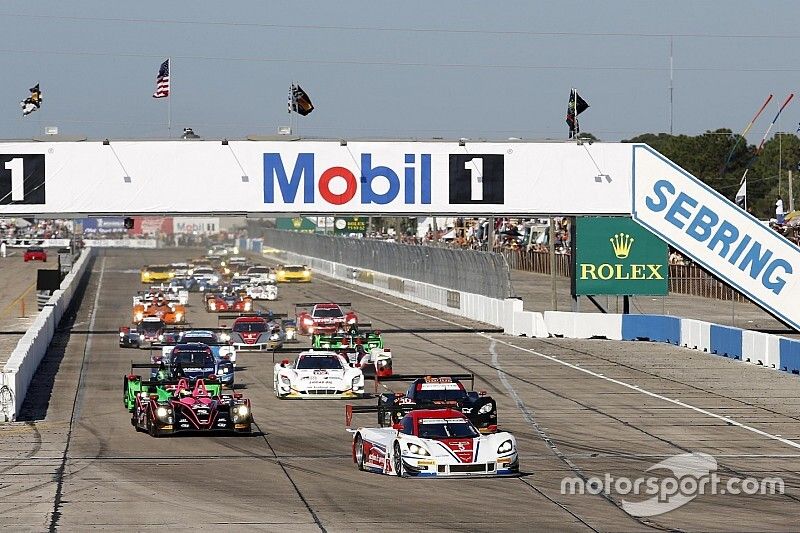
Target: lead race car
[(433, 443), (317, 374), (182, 407)]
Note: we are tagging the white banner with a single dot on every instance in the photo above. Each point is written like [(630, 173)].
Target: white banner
[(300, 177), (195, 225), (726, 240), (120, 243)]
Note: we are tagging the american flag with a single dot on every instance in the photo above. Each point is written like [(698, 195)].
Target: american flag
[(162, 81)]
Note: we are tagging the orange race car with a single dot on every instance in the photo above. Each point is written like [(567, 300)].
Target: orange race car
[(169, 312)]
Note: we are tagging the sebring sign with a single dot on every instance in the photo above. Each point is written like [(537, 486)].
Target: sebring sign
[(614, 255), (716, 233)]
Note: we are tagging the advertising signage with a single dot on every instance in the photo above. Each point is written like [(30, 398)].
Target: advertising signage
[(616, 256), (350, 225)]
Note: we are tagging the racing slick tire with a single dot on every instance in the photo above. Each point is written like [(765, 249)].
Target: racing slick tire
[(397, 460), (152, 429), (359, 452)]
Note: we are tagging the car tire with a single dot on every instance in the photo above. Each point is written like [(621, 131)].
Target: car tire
[(359, 451), (397, 460), (153, 429)]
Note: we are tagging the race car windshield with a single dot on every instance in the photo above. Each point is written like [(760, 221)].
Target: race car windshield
[(159, 269), (195, 359), (294, 269), (204, 270), (328, 312), (328, 362), (446, 392), (446, 429), (258, 270), (210, 340), (151, 327), (249, 327)]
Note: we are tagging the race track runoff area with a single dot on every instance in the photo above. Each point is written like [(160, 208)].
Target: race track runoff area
[(579, 409)]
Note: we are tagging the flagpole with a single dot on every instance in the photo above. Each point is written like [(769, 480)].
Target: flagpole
[(169, 100), (766, 133)]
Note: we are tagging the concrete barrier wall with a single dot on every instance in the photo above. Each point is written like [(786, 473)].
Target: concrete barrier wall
[(31, 348)]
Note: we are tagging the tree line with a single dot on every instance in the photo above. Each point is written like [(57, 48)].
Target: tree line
[(704, 156)]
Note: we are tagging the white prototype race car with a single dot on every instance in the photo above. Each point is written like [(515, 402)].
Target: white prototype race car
[(318, 374), (434, 443), (263, 290)]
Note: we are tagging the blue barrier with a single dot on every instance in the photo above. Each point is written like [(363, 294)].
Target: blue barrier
[(726, 341), (790, 355), (656, 328)]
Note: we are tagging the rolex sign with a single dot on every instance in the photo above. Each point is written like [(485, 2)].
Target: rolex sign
[(615, 255)]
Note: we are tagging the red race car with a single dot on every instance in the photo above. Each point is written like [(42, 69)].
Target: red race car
[(226, 302), (35, 253), (324, 318)]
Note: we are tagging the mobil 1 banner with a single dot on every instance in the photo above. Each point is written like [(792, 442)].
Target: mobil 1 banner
[(22, 179), (714, 232), (614, 255)]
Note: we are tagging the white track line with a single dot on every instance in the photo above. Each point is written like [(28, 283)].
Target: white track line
[(636, 388)]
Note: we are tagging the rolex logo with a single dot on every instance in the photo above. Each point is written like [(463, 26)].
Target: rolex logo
[(297, 222), (621, 244)]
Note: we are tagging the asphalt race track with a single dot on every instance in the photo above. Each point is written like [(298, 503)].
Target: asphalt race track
[(577, 408)]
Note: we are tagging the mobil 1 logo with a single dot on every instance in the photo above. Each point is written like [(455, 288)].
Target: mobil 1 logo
[(21, 179), (476, 178)]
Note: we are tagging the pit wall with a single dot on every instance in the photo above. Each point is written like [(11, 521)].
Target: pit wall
[(31, 348), (771, 351)]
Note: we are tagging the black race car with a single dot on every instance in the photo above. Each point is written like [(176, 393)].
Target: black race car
[(148, 333), (437, 392)]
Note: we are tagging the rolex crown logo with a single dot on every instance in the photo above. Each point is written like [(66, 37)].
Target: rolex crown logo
[(297, 222), (621, 244)]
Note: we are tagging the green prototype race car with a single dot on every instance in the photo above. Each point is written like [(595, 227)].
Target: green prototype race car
[(363, 349), (162, 385)]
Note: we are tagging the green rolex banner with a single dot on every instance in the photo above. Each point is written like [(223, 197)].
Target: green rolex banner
[(615, 255)]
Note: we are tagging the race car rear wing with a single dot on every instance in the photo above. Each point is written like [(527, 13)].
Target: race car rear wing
[(412, 377), (312, 304)]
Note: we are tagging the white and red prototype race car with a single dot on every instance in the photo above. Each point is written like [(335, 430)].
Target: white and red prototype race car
[(434, 443), (324, 317), (318, 374)]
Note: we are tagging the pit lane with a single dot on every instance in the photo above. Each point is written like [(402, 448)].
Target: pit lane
[(563, 399)]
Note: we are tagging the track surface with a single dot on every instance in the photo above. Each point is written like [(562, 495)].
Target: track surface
[(591, 407)]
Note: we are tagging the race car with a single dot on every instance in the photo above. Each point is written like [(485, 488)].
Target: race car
[(262, 290), (191, 408), (180, 269), (218, 302), (317, 374), (433, 443), (149, 332), (189, 347), (256, 331), (436, 392), (156, 273), (170, 313), (260, 273), (202, 278), (35, 253), (287, 273), (174, 291), (365, 349), (324, 318)]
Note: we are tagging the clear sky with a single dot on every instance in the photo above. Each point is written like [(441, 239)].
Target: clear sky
[(410, 69)]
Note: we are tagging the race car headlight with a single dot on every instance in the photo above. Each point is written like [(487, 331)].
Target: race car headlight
[(243, 410), (121, 334), (163, 413), (161, 337), (290, 333), (505, 447), (488, 408), (285, 380), (225, 370), (227, 270), (139, 316), (416, 449), (281, 272), (351, 320), (356, 383), (274, 337), (308, 321), (212, 305), (306, 273), (224, 337), (202, 288), (235, 250), (248, 306), (178, 316)]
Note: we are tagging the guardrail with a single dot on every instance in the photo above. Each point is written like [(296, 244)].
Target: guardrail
[(21, 366)]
